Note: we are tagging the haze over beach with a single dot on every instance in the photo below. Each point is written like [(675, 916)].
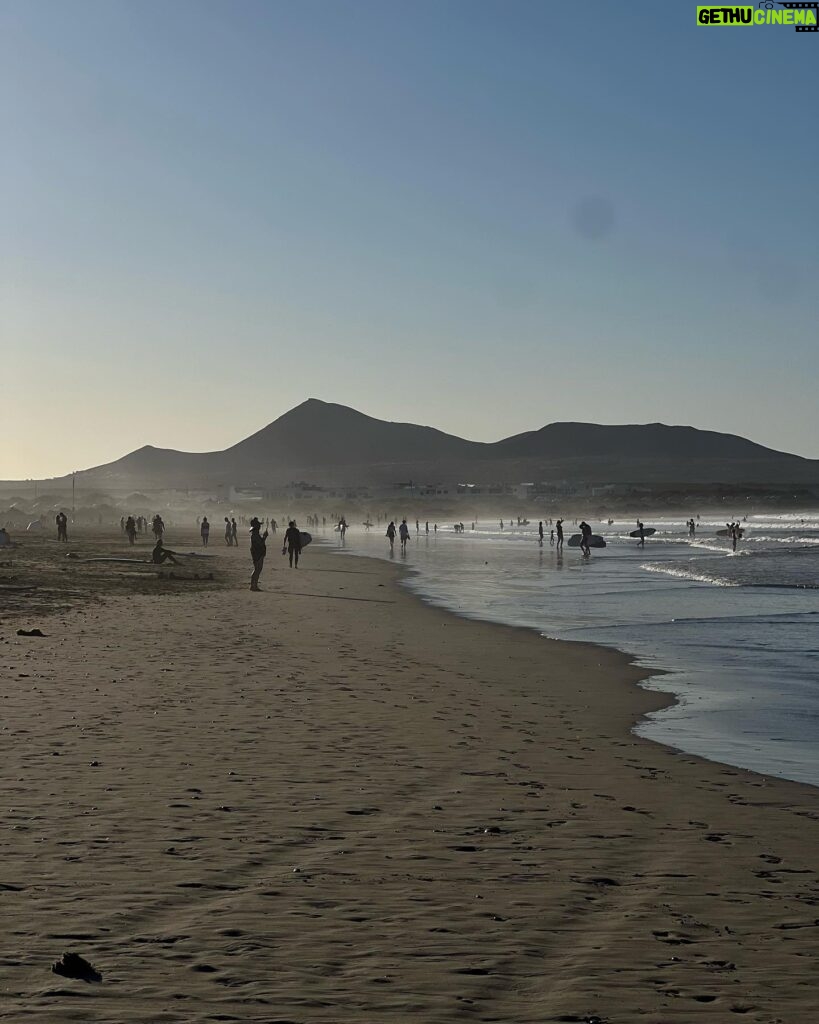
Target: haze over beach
[(409, 513)]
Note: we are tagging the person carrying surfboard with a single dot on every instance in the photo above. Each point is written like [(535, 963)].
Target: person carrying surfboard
[(642, 532), (292, 543)]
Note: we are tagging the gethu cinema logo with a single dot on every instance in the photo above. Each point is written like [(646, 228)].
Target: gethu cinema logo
[(802, 16)]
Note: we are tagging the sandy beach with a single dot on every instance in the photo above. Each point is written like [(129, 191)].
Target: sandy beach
[(331, 802)]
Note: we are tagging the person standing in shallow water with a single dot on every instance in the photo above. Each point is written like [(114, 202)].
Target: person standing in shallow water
[(540, 533), (391, 534), (258, 550), (228, 534), (204, 529), (559, 528), (403, 531)]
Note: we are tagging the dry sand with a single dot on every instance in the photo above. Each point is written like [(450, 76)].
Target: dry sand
[(329, 802)]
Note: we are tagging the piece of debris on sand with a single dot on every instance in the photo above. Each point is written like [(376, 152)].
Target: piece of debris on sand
[(72, 965)]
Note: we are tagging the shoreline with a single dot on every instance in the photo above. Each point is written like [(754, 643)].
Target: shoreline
[(332, 801)]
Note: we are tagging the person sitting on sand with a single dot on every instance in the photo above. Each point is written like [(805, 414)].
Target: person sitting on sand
[(292, 543), (161, 554), (258, 550)]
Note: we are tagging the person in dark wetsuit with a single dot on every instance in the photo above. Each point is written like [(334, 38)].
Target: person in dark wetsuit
[(258, 550), (131, 530), (391, 534), (559, 528), (585, 538), (292, 543), (642, 541), (540, 533), (161, 554)]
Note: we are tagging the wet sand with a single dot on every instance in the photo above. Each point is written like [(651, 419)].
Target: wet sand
[(330, 802)]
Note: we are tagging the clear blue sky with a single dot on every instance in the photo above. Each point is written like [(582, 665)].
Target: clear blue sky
[(481, 216)]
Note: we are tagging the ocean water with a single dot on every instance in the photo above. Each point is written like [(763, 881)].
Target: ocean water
[(737, 633)]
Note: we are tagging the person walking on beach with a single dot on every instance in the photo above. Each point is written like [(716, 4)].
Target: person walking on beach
[(559, 528), (258, 550), (204, 529), (403, 531), (234, 532), (292, 543), (391, 534), (642, 542), (540, 533), (130, 530), (228, 533), (158, 527)]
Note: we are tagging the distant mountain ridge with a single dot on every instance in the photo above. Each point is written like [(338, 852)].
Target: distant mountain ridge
[(329, 444)]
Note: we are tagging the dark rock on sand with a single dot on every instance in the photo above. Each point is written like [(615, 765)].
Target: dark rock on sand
[(72, 965)]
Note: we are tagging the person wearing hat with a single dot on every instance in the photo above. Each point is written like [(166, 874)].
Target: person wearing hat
[(258, 550)]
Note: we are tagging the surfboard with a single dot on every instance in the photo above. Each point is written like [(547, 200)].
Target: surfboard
[(594, 541), (305, 538), (727, 533), (647, 532)]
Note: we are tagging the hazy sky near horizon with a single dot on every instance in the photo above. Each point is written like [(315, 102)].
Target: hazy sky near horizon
[(480, 216)]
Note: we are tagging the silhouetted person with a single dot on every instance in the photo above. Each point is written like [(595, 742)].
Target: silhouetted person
[(62, 526), (585, 538), (559, 528), (391, 534), (234, 532), (540, 533), (131, 530), (158, 527), (161, 554), (204, 529), (292, 543), (403, 532), (258, 550), (228, 533), (642, 542)]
